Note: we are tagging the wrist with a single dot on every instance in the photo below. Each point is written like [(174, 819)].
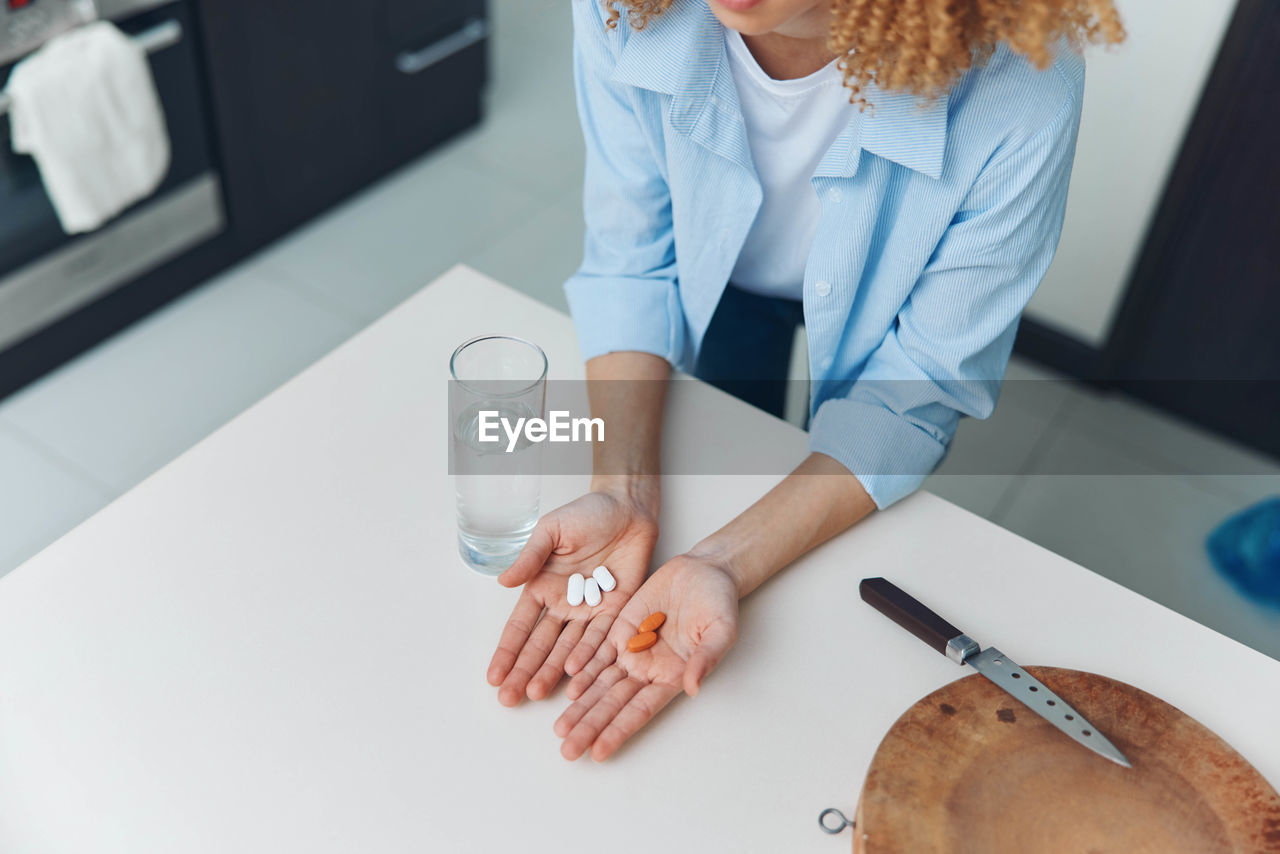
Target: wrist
[(641, 491), (731, 558)]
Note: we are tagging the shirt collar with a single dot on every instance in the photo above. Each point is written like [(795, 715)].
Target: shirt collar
[(682, 53), (899, 127)]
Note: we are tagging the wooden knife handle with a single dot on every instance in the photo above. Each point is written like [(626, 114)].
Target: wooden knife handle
[(908, 612)]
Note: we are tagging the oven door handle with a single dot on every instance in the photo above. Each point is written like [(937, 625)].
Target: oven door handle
[(157, 38), (413, 61), (152, 40)]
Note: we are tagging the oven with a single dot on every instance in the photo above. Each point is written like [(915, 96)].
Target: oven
[(46, 274)]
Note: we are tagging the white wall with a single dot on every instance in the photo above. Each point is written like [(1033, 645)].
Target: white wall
[(1139, 99)]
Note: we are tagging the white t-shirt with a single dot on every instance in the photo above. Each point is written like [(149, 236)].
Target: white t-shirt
[(790, 126)]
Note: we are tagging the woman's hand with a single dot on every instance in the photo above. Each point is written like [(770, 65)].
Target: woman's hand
[(618, 691), (615, 526)]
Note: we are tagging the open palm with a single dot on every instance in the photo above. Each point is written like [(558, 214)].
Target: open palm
[(544, 636), (619, 691)]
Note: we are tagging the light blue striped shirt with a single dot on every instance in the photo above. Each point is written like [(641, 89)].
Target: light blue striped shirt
[(938, 222)]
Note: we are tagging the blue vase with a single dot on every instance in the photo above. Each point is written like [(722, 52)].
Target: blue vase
[(1246, 549)]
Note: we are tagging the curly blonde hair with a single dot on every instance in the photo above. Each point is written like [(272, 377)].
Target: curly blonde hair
[(924, 46)]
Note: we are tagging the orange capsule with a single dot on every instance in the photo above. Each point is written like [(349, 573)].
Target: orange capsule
[(652, 621), (642, 641)]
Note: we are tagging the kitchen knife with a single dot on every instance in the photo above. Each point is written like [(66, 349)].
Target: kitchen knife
[(945, 638)]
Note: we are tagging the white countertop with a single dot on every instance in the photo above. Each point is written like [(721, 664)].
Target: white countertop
[(271, 645)]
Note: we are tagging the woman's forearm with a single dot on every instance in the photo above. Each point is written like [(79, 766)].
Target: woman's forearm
[(628, 391), (810, 506)]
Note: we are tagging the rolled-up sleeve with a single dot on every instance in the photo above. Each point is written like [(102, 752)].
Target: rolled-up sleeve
[(948, 350), (624, 296)]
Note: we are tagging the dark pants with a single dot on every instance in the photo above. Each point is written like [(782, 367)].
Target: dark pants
[(747, 348)]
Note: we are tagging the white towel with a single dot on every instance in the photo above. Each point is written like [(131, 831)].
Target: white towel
[(85, 107)]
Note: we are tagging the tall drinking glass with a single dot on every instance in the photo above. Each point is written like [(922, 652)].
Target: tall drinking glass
[(495, 378)]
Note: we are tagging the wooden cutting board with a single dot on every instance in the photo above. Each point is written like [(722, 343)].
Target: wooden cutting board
[(970, 770)]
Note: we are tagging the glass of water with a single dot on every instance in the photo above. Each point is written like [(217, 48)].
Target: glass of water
[(497, 380)]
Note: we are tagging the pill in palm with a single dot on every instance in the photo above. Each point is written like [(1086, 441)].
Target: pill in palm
[(651, 622), (642, 641), (577, 585), (604, 578), (591, 592)]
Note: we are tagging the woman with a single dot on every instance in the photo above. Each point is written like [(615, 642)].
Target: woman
[(893, 173)]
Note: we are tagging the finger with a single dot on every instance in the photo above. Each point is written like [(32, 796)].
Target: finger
[(636, 713), (715, 642), (534, 554), (583, 679), (597, 631), (514, 634), (583, 735), (578, 709), (535, 651), (548, 676)]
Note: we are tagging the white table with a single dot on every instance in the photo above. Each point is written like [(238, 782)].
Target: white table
[(271, 646)]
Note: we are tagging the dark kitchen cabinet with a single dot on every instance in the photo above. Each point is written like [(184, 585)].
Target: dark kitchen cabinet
[(1197, 332), (313, 101), (297, 106)]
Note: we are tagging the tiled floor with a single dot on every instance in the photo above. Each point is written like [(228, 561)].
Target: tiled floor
[(505, 199)]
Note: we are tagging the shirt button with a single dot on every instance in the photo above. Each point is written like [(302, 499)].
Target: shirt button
[(825, 364), (724, 236), (822, 289), (835, 195)]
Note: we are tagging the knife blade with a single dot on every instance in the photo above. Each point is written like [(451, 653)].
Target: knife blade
[(915, 617)]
